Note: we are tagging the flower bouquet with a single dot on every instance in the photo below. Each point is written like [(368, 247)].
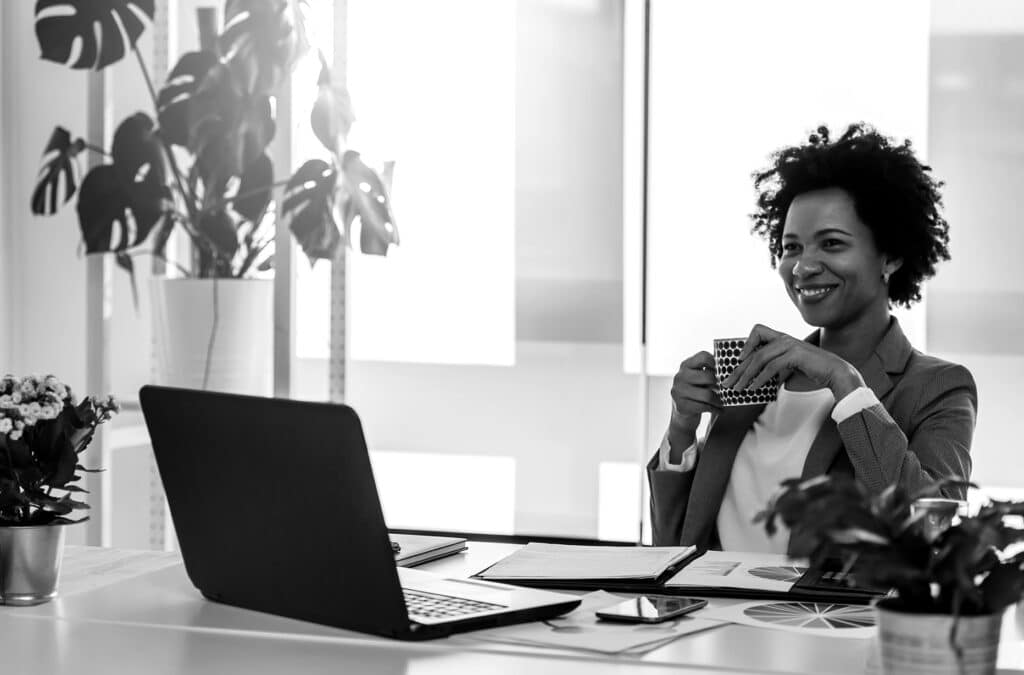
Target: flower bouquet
[(42, 433)]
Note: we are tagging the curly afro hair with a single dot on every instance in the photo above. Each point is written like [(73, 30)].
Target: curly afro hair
[(893, 193)]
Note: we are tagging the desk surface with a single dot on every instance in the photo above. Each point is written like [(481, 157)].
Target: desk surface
[(156, 622)]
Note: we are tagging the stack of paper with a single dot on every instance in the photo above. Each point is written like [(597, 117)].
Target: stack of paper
[(746, 571), (582, 630), (559, 562)]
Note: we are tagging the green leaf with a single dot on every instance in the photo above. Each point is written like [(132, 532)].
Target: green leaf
[(259, 42), (175, 98), (308, 210), (254, 188), (365, 190), (96, 25), (58, 163), (219, 228), (856, 535), (332, 115), (229, 128), (121, 203)]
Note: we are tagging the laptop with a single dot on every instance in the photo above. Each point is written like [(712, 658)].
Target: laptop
[(276, 510)]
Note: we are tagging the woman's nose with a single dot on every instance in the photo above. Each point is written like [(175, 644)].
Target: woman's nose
[(806, 267)]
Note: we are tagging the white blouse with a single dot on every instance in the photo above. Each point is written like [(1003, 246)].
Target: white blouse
[(774, 448)]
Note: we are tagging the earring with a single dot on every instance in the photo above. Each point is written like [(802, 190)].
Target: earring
[(885, 276)]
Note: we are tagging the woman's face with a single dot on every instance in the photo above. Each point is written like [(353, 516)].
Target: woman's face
[(830, 264)]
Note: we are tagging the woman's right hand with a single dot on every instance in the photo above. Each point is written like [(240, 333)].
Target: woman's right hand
[(694, 392)]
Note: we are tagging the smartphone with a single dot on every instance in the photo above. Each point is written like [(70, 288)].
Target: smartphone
[(651, 608)]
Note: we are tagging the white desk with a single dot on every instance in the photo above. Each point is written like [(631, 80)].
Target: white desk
[(156, 622)]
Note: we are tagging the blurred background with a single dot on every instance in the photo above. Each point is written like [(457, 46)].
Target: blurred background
[(572, 187)]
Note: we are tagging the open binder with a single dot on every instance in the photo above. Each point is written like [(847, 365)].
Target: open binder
[(676, 571)]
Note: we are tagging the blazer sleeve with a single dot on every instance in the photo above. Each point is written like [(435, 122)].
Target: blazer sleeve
[(936, 444), (670, 492)]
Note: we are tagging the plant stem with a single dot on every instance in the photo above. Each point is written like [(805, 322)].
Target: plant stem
[(165, 259), (96, 149), (219, 205), (187, 195)]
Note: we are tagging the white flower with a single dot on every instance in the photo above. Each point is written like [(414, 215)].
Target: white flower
[(5, 425), (15, 435), (19, 424), (5, 401), (28, 386), (34, 409), (16, 397)]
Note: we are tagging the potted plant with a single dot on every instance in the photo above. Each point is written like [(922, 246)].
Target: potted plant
[(199, 164), (42, 433), (950, 588)]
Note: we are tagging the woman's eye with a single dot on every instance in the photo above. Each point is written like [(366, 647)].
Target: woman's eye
[(833, 243), (791, 247)]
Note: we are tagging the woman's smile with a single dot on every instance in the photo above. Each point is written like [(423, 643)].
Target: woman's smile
[(810, 294)]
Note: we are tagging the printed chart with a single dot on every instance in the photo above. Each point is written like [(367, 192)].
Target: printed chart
[(817, 618)]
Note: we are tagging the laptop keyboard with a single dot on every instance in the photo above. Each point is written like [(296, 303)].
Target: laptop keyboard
[(434, 606)]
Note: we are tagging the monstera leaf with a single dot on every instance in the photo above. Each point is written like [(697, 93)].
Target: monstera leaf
[(136, 150), (95, 24), (332, 115), (174, 99), (58, 162), (229, 129), (308, 210), (259, 42), (219, 227), (365, 195), (254, 188), (121, 203)]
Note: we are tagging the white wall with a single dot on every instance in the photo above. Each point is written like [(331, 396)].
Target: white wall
[(6, 279), (45, 278)]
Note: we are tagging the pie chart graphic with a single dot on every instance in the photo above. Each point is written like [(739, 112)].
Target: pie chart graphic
[(822, 616), (790, 573)]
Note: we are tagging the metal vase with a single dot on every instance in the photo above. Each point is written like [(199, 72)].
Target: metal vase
[(30, 557)]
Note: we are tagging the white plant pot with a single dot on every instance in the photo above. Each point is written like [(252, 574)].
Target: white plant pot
[(918, 644), (241, 357)]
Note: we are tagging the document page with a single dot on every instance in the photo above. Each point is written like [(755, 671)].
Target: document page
[(561, 561), (749, 571), (582, 630)]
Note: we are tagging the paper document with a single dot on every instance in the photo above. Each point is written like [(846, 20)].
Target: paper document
[(582, 630), (825, 619), (748, 571), (560, 561), (88, 567)]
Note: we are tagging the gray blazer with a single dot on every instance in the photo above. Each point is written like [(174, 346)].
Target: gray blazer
[(922, 430)]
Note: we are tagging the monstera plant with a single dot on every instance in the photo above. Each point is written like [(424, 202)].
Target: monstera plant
[(199, 160)]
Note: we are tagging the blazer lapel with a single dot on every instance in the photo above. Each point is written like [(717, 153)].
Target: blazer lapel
[(823, 450), (713, 470), (890, 356)]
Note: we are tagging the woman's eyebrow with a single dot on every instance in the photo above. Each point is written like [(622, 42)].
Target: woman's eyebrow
[(819, 233), (832, 230)]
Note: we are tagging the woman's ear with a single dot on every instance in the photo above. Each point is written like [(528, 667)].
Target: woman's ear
[(890, 266)]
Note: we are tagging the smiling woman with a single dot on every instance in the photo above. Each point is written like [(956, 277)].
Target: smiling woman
[(854, 226)]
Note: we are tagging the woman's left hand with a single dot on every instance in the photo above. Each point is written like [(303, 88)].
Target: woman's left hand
[(769, 353)]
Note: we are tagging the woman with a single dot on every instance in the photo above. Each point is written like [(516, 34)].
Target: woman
[(853, 226)]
